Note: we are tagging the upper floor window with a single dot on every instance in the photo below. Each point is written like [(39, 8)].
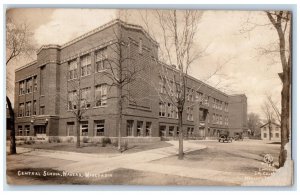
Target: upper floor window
[(29, 85), (85, 100), (22, 87), (140, 46), (86, 67), (21, 109), (42, 110), (28, 108), (101, 95), (34, 108), (72, 96), (190, 115), (35, 87), (101, 60), (162, 109), (73, 69)]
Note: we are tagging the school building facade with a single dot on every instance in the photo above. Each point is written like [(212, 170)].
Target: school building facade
[(45, 91)]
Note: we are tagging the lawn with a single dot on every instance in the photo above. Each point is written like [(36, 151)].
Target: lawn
[(96, 148)]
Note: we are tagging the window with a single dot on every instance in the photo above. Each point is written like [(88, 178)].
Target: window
[(129, 128), (72, 100), (277, 128), (139, 128), (221, 120), (35, 87), (34, 108), (140, 46), (84, 128), (22, 87), (190, 116), (85, 100), (27, 130), (99, 127), (73, 69), (29, 85), (171, 131), (70, 128), (42, 78), (101, 95), (265, 128), (277, 135), (21, 109), (162, 131), (148, 128), (42, 110), (20, 131), (162, 86), (28, 108), (86, 67), (169, 110), (265, 135), (162, 109), (190, 131), (101, 60)]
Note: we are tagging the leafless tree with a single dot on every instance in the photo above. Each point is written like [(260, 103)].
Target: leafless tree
[(269, 115), (178, 30), (122, 72), (77, 101), (18, 43), (254, 123), (282, 22)]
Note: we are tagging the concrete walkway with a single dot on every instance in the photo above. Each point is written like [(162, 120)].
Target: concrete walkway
[(142, 161)]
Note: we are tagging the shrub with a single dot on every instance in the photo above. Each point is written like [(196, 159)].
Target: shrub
[(85, 140), (70, 140), (54, 140), (106, 140), (29, 142)]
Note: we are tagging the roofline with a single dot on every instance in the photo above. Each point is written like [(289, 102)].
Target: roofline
[(26, 65), (268, 123), (98, 29), (193, 78)]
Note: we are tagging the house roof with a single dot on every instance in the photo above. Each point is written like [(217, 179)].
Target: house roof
[(271, 123)]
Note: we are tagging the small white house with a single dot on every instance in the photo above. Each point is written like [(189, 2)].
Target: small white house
[(270, 132)]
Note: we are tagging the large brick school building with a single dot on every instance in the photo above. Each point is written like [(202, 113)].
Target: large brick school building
[(44, 90)]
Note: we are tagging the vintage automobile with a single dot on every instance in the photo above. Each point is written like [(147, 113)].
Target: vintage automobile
[(224, 137)]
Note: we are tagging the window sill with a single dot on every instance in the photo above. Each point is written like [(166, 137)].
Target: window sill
[(104, 70), (85, 76), (99, 106)]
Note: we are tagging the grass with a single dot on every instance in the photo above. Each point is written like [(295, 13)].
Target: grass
[(116, 177), (96, 149)]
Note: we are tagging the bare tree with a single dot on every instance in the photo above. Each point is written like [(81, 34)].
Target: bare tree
[(254, 123), (122, 72), (269, 115), (178, 30), (276, 110), (18, 43), (282, 22), (78, 101)]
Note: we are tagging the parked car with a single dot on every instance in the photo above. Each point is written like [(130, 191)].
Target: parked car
[(224, 137)]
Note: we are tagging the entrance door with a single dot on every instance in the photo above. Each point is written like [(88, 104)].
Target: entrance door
[(40, 131), (201, 131)]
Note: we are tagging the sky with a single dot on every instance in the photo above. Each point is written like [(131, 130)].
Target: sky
[(229, 46)]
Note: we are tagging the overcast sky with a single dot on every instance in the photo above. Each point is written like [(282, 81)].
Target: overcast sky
[(243, 70)]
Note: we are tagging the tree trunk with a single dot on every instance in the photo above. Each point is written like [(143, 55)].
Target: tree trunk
[(285, 117), (12, 136), (78, 133), (180, 136), (120, 121)]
